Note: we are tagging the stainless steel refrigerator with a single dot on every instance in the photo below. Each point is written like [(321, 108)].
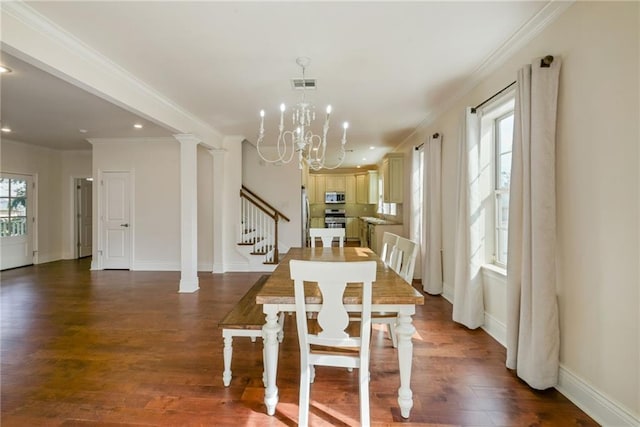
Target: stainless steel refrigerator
[(306, 218)]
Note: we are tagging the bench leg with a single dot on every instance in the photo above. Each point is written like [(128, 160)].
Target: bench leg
[(227, 352)]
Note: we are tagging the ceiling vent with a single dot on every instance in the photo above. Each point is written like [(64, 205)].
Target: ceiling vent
[(307, 84)]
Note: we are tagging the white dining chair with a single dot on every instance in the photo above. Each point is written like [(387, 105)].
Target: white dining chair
[(327, 235), (403, 262), (405, 258), (387, 254), (330, 338)]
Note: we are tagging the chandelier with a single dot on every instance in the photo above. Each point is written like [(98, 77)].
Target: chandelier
[(310, 147)]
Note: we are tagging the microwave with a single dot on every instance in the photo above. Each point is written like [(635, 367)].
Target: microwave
[(334, 197)]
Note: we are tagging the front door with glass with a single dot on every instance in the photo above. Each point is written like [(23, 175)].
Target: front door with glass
[(16, 220)]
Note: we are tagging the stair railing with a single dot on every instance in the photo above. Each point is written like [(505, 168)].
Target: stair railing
[(259, 225)]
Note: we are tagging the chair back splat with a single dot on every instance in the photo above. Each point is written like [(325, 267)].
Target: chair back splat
[(405, 258), (389, 241), (338, 288), (327, 235)]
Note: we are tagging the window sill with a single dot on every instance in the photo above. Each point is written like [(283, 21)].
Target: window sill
[(495, 271)]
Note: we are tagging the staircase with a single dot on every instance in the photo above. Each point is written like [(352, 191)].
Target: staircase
[(259, 231)]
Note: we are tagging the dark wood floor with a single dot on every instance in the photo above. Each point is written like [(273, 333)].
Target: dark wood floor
[(119, 348)]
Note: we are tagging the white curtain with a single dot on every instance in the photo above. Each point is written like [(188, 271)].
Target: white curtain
[(468, 302), (533, 333), (432, 242)]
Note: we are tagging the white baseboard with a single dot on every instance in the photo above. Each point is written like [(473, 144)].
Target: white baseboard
[(155, 266), (495, 328), (205, 266), (447, 292), (44, 258), (599, 407), (236, 267), (602, 409)]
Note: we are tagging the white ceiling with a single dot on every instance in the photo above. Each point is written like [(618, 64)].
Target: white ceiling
[(383, 66)]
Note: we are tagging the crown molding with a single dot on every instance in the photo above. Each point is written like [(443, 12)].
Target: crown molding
[(39, 23), (527, 32), (140, 139)]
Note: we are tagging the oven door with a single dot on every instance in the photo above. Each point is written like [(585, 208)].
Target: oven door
[(332, 223)]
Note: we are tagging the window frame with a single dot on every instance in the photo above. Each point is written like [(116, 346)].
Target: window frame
[(491, 114), (499, 190)]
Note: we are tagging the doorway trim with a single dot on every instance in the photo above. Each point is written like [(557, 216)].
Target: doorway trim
[(74, 215)]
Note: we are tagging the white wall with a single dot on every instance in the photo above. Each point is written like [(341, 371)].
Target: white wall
[(280, 186), (597, 200), (205, 210), (155, 221), (230, 173), (55, 171)]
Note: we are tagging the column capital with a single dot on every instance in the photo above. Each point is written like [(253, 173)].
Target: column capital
[(217, 152), (187, 138)]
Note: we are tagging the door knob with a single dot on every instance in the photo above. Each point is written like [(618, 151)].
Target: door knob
[(124, 225)]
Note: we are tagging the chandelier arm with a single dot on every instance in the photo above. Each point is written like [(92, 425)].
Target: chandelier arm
[(262, 156), (292, 150)]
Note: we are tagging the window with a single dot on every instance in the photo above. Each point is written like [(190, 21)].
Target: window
[(497, 134), (503, 131), (13, 207)]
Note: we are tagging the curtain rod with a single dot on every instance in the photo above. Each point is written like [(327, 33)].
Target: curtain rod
[(417, 147), (544, 63)]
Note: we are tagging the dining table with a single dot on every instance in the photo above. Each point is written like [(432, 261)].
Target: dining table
[(390, 294)]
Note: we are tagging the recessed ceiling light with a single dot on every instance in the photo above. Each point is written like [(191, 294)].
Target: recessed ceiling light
[(372, 148), (4, 70), (137, 126), (82, 130), (5, 129), (364, 159)]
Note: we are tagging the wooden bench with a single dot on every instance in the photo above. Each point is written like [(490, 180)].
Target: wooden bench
[(245, 319)]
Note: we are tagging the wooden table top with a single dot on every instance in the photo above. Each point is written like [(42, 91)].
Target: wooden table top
[(389, 288)]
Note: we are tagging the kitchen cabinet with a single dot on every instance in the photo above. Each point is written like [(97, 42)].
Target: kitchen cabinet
[(364, 230), (320, 188), (350, 189), (311, 189), (377, 230), (353, 229), (393, 178), (335, 183), (317, 222), (367, 188)]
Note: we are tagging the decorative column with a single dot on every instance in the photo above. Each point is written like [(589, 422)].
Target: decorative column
[(188, 212)]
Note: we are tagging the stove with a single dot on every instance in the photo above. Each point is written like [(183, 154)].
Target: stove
[(335, 218)]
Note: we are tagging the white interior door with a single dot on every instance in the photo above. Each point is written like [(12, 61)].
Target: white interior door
[(83, 217), (17, 219), (116, 220)]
